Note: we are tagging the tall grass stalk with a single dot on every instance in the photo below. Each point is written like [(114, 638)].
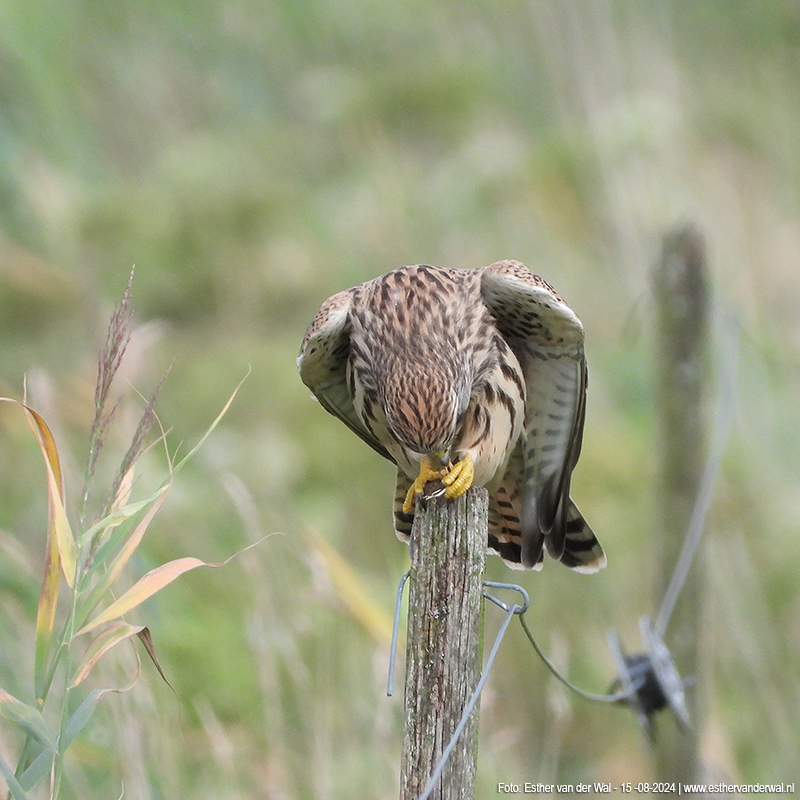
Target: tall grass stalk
[(90, 560)]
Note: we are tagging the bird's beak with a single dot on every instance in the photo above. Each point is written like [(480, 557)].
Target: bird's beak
[(443, 457)]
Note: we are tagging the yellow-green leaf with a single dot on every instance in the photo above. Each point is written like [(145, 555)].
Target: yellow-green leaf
[(59, 524), (60, 550), (107, 580), (119, 511), (211, 427), (129, 548), (117, 516), (65, 541), (124, 489), (46, 614)]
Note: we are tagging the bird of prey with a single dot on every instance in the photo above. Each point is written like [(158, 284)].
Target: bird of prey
[(470, 376)]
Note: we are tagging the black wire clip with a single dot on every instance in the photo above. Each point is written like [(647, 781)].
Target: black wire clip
[(650, 681)]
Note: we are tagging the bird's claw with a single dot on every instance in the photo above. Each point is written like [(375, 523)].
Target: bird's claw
[(426, 473), (459, 477)]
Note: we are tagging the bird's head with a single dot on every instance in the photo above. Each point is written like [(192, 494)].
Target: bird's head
[(424, 411)]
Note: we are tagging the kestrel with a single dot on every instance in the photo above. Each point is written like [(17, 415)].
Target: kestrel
[(471, 376)]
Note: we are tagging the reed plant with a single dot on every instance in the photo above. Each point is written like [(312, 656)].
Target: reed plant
[(81, 611)]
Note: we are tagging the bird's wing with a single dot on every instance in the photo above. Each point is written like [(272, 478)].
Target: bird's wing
[(547, 338), (323, 364)]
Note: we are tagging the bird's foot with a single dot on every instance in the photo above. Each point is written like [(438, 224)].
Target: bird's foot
[(426, 473), (459, 477)]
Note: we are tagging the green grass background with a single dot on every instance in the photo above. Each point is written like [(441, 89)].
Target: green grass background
[(252, 158)]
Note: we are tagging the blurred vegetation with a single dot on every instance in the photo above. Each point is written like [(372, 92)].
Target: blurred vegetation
[(251, 158)]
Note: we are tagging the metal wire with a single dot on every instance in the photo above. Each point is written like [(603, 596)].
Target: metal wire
[(512, 609), (526, 600), (600, 698), (393, 654)]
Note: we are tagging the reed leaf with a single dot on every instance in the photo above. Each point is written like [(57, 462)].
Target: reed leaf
[(110, 637), (60, 547), (146, 587), (17, 792), (58, 522), (27, 718), (83, 713)]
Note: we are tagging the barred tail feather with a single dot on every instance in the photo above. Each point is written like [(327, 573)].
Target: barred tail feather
[(582, 551), (505, 534)]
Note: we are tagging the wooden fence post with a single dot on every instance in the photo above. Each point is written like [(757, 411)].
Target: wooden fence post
[(681, 294), (444, 642)]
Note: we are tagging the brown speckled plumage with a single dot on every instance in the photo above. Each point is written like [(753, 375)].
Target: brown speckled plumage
[(426, 363)]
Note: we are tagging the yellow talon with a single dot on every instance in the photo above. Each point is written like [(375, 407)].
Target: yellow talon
[(426, 473), (459, 477)]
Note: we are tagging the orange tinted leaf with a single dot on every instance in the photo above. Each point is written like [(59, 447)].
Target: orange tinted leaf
[(59, 524), (47, 444), (113, 635), (154, 581), (145, 587), (61, 549)]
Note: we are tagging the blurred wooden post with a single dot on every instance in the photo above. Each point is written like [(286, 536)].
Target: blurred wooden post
[(444, 643), (681, 292)]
